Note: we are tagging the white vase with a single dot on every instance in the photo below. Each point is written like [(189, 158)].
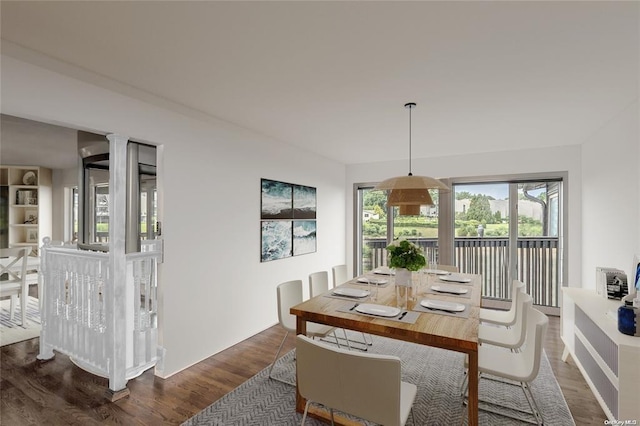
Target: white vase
[(403, 277)]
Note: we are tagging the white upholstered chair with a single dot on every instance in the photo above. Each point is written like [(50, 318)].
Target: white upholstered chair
[(15, 268), (521, 367), (367, 386), (318, 284), (290, 294), (512, 337), (500, 317), (339, 273)]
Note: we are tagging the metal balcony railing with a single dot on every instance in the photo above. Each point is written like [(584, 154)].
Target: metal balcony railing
[(537, 259)]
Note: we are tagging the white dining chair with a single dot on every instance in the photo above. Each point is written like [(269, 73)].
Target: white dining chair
[(339, 274), (521, 367), (512, 337), (318, 284), (367, 386), (290, 294), (500, 317), (15, 267)]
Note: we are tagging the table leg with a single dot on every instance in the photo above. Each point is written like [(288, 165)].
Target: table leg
[(473, 388), (301, 328)]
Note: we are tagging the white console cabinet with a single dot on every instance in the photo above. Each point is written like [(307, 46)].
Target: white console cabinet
[(608, 359)]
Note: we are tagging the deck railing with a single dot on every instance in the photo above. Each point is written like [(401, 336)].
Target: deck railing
[(537, 259)]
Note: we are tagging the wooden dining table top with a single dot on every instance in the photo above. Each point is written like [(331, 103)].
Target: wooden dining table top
[(433, 329)]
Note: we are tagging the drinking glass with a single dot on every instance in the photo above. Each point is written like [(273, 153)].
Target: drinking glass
[(373, 289), (402, 296)]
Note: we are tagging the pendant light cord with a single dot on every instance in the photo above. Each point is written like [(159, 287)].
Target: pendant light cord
[(410, 105)]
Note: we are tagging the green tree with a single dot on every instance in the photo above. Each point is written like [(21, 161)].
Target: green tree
[(373, 199), (464, 195), (479, 209), (379, 211)]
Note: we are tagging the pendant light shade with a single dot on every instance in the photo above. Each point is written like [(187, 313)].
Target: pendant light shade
[(410, 192)]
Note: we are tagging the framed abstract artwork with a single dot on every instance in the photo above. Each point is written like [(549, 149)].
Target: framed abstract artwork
[(287, 219), (304, 237), (276, 239)]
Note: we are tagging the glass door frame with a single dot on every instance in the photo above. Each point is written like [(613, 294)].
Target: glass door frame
[(446, 231)]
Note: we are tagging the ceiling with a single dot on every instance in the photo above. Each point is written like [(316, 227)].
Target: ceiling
[(332, 77)]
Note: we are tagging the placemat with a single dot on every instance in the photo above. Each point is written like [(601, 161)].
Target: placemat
[(409, 318), (356, 282), (466, 295), (462, 314), (452, 281), (354, 299)]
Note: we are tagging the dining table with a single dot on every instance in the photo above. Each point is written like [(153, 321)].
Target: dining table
[(419, 320)]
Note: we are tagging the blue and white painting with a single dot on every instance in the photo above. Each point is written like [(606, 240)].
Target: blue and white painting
[(304, 236), (304, 202), (277, 200), (276, 240)]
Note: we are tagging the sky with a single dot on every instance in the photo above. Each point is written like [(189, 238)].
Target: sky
[(499, 191)]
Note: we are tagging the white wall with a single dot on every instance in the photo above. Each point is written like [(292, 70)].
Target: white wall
[(214, 290), (611, 190), (559, 159)]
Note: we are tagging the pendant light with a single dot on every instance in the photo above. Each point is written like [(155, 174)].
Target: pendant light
[(410, 192)]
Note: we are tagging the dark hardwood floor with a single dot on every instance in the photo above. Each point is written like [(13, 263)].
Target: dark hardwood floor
[(59, 393)]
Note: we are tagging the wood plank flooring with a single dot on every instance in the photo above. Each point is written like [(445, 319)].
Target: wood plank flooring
[(59, 393)]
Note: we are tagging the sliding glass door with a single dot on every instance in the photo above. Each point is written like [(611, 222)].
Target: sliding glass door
[(378, 225), (502, 228), (511, 230)]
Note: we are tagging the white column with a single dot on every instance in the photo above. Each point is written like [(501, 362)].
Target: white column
[(116, 297)]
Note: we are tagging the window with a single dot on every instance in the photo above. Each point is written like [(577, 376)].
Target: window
[(501, 227)]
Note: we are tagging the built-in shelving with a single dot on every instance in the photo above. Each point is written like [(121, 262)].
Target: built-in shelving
[(29, 205)]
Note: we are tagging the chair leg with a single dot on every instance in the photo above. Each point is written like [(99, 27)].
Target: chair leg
[(345, 338), (350, 341), (364, 337), (463, 385), (526, 388), (535, 411), (23, 309), (276, 358), (12, 309), (332, 421), (306, 410)]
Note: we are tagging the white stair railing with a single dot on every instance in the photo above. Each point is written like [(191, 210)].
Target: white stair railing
[(82, 309)]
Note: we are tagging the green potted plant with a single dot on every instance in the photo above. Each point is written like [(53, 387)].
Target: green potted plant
[(405, 257)]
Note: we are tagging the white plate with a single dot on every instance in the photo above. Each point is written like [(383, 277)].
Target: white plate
[(384, 271), (455, 278), (447, 289), (377, 281), (379, 310), (436, 271), (29, 178), (350, 292), (442, 305)]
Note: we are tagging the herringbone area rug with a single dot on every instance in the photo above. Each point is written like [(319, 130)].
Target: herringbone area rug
[(436, 372)]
